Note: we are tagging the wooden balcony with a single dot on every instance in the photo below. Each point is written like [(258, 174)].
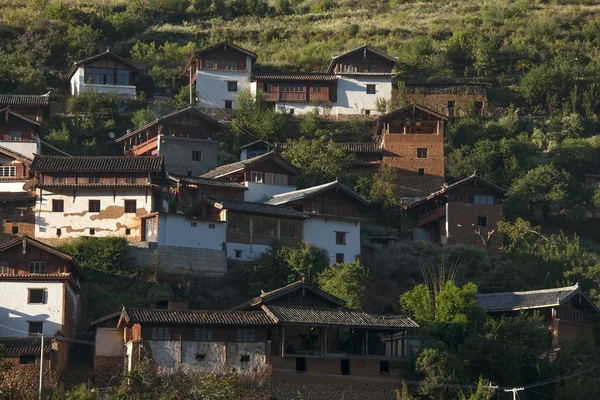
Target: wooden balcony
[(432, 215), (293, 97)]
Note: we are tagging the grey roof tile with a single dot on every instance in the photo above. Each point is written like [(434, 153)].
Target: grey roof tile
[(97, 164)]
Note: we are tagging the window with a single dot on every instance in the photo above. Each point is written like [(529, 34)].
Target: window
[(94, 180), (58, 179), (245, 335), (291, 110), (15, 229), (481, 222), (451, 104), (276, 179), (100, 76), (421, 171), (160, 333), (130, 180), (8, 171), (371, 89), (36, 296), (4, 268), (37, 267), (316, 88), (92, 231), (384, 367), (27, 360), (290, 229), (293, 87), (422, 153), (340, 238), (193, 224), (231, 66), (58, 205), (265, 226), (128, 231), (58, 232), (35, 328), (238, 254), (200, 357), (211, 226), (300, 364), (238, 223), (130, 206), (269, 87), (122, 77), (229, 104), (16, 136), (245, 358), (345, 366), (367, 112), (203, 335), (477, 199), (256, 176), (94, 205), (339, 258), (196, 155), (478, 105), (576, 316), (232, 86)]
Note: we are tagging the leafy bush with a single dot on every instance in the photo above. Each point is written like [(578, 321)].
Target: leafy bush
[(103, 254)]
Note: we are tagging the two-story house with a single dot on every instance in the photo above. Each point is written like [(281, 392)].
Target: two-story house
[(187, 139), (219, 72), (19, 133), (40, 293), (95, 196), (104, 73), (31, 106), (467, 211), (16, 202), (333, 222)]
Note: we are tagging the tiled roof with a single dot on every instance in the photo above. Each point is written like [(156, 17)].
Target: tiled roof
[(20, 116), (17, 196), (316, 77), (97, 164), (350, 147), (196, 180), (336, 317), (361, 48), (509, 301), (106, 318), (418, 201), (229, 44), (76, 64), (169, 116), (285, 198), (24, 99), (247, 207), (94, 185), (195, 317), (265, 297), (240, 165), (14, 347)]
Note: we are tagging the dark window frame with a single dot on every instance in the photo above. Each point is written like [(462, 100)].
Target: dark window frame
[(482, 222), (232, 86), (130, 206), (58, 205), (36, 296), (422, 152), (94, 206), (371, 89)]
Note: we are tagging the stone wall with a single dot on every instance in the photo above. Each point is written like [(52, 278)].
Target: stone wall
[(180, 260), (108, 369), (23, 380)]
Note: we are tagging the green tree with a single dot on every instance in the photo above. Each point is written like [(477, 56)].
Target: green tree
[(346, 281), (384, 188), (320, 160), (540, 189), (577, 156)]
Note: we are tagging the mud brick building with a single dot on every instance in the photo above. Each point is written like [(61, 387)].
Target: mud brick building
[(566, 310), (413, 145), (452, 99), (466, 212)]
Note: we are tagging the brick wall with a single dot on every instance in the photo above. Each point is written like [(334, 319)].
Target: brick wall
[(462, 223)]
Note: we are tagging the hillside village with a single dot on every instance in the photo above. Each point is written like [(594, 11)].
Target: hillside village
[(216, 223)]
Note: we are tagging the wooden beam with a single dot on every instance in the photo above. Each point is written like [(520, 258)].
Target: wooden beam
[(282, 342)]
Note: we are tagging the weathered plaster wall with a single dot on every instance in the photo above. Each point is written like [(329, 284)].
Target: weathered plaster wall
[(321, 231), (16, 313), (109, 353), (177, 230), (352, 97), (12, 186), (211, 86), (249, 251), (178, 154), (76, 220), (28, 149)]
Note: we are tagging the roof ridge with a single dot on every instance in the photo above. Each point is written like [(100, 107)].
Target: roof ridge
[(551, 290)]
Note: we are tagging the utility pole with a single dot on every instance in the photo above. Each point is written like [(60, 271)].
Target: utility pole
[(41, 365), (514, 391)]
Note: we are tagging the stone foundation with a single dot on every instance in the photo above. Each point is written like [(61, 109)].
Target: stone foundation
[(108, 370), (22, 381)]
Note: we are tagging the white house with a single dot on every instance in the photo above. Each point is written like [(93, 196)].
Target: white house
[(220, 72), (95, 196), (105, 73)]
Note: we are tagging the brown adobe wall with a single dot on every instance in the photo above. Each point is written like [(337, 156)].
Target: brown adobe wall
[(106, 368), (462, 218), (464, 103), (25, 228), (23, 380)]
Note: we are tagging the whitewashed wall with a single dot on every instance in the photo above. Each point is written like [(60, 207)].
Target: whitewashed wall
[(259, 192), (352, 97), (12, 186), (76, 220), (79, 85), (177, 230), (320, 232), (109, 342), (28, 149), (16, 313), (166, 356), (211, 86), (249, 251)]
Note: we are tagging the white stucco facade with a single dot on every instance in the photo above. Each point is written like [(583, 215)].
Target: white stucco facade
[(12, 186), (28, 149), (211, 85), (218, 357), (352, 97), (76, 220), (79, 85), (177, 230), (259, 192), (321, 232), (16, 313), (109, 342), (246, 252)]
